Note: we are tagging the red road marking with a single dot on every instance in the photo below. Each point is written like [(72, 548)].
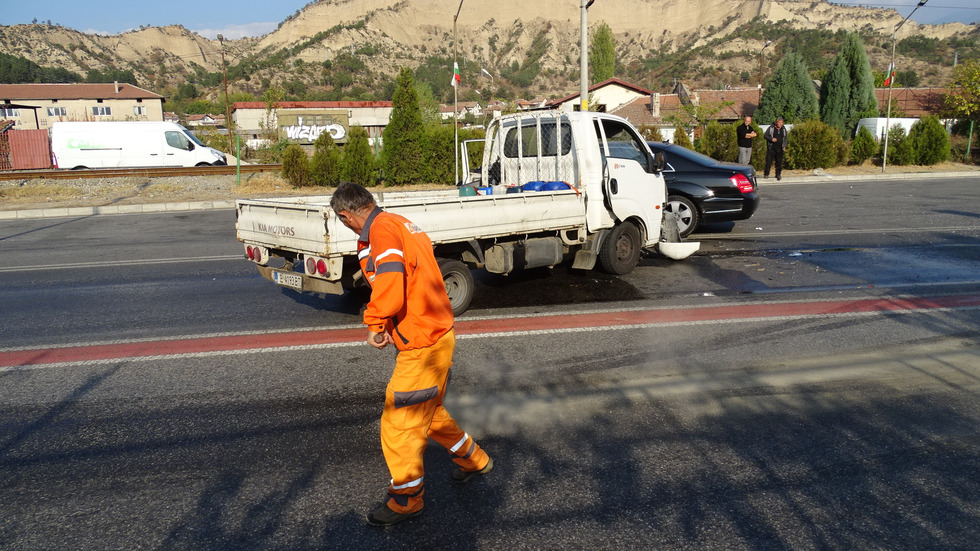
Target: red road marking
[(81, 353)]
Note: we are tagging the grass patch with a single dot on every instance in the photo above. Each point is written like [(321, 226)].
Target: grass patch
[(39, 191)]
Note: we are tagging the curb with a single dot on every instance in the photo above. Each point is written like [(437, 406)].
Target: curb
[(146, 208), (60, 212)]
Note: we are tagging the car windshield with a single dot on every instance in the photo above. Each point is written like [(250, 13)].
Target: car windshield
[(193, 138)]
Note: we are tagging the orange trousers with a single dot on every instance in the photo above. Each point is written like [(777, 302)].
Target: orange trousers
[(414, 413)]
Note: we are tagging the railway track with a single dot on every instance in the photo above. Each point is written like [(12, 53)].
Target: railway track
[(55, 174)]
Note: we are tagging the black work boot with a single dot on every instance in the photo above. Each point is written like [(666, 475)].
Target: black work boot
[(384, 516), (460, 476)]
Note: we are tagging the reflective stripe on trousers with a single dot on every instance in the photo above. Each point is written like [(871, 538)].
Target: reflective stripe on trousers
[(414, 413)]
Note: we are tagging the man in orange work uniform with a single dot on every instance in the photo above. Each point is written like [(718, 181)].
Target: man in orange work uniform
[(410, 309)]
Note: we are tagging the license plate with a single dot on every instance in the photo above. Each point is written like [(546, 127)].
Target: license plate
[(292, 281)]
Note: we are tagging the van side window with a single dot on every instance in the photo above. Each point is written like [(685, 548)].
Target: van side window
[(177, 140)]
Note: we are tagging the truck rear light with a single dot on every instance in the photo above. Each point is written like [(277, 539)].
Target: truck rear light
[(321, 267), (259, 255), (742, 183), (310, 265), (316, 266)]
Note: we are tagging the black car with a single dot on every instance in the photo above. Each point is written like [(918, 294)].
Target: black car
[(701, 190)]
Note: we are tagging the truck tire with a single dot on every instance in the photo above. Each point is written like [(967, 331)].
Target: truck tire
[(620, 250), (459, 284)]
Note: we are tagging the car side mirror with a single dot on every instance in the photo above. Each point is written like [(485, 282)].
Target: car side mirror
[(659, 161)]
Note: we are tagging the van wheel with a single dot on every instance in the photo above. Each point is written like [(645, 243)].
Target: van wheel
[(621, 249), (79, 167), (459, 284), (203, 164)]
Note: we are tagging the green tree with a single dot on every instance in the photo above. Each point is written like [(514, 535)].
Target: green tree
[(847, 93), (963, 96), (899, 147), (357, 161), (402, 156), (789, 93), (651, 133), (296, 166), (325, 165), (602, 54), (428, 104), (863, 147), (930, 142)]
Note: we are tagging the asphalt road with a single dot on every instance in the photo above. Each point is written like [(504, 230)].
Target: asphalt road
[(809, 380)]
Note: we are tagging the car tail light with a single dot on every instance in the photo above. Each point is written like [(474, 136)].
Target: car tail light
[(742, 183)]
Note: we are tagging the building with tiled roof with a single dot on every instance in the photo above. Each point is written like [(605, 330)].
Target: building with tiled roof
[(77, 102), (605, 96)]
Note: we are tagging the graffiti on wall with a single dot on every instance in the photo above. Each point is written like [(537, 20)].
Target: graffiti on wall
[(306, 127)]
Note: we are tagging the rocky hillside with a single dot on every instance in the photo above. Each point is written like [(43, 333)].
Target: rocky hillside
[(386, 35)]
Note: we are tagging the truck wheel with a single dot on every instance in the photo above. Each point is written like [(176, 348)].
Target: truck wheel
[(686, 213), (459, 284), (621, 249)]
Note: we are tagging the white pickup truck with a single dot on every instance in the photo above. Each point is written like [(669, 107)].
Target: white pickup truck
[(552, 185)]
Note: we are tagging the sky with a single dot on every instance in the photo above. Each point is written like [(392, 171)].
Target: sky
[(257, 17)]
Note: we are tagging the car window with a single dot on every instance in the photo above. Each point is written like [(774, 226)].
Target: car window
[(177, 140)]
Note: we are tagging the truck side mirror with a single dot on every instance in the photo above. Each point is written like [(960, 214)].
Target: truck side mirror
[(659, 161), (190, 145)]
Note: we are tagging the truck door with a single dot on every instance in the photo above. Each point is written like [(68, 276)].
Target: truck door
[(633, 189), (177, 151)]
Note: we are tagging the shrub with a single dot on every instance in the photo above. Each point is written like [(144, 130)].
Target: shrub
[(651, 133), (930, 142), (814, 144), (719, 142), (863, 147), (682, 139), (900, 150), (296, 166)]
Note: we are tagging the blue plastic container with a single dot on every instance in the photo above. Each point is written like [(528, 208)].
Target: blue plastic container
[(533, 186), (554, 186)]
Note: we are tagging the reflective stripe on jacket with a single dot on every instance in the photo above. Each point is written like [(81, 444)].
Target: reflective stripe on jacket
[(408, 296)]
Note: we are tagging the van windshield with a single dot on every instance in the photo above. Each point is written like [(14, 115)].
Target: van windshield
[(193, 138)]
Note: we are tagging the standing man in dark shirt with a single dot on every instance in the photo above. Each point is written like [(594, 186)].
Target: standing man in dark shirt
[(745, 135), (776, 148)]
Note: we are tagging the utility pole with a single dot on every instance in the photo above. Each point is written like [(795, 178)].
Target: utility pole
[(761, 54), (224, 81), (455, 101), (891, 81), (584, 61)]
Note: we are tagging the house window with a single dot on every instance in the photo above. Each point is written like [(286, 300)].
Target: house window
[(57, 111), (9, 113), (139, 110), (102, 110)]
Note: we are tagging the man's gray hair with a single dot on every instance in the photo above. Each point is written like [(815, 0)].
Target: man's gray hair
[(351, 197)]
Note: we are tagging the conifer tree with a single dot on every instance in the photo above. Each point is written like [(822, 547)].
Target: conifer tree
[(357, 161), (404, 137), (681, 138), (325, 165), (789, 93), (846, 99), (602, 54)]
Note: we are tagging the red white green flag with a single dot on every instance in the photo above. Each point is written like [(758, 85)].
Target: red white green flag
[(890, 75), (455, 82)]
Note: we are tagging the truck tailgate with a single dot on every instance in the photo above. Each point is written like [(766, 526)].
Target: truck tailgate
[(292, 223)]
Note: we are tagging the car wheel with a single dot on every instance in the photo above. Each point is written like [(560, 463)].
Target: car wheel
[(621, 249), (459, 284), (685, 212)]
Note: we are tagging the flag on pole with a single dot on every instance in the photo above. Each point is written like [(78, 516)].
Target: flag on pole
[(890, 75), (455, 81)]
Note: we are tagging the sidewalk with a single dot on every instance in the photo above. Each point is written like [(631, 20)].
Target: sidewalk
[(142, 208)]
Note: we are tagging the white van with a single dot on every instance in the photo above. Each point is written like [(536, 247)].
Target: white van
[(112, 144)]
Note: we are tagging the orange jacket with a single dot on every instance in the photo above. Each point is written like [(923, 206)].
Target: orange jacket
[(408, 296)]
